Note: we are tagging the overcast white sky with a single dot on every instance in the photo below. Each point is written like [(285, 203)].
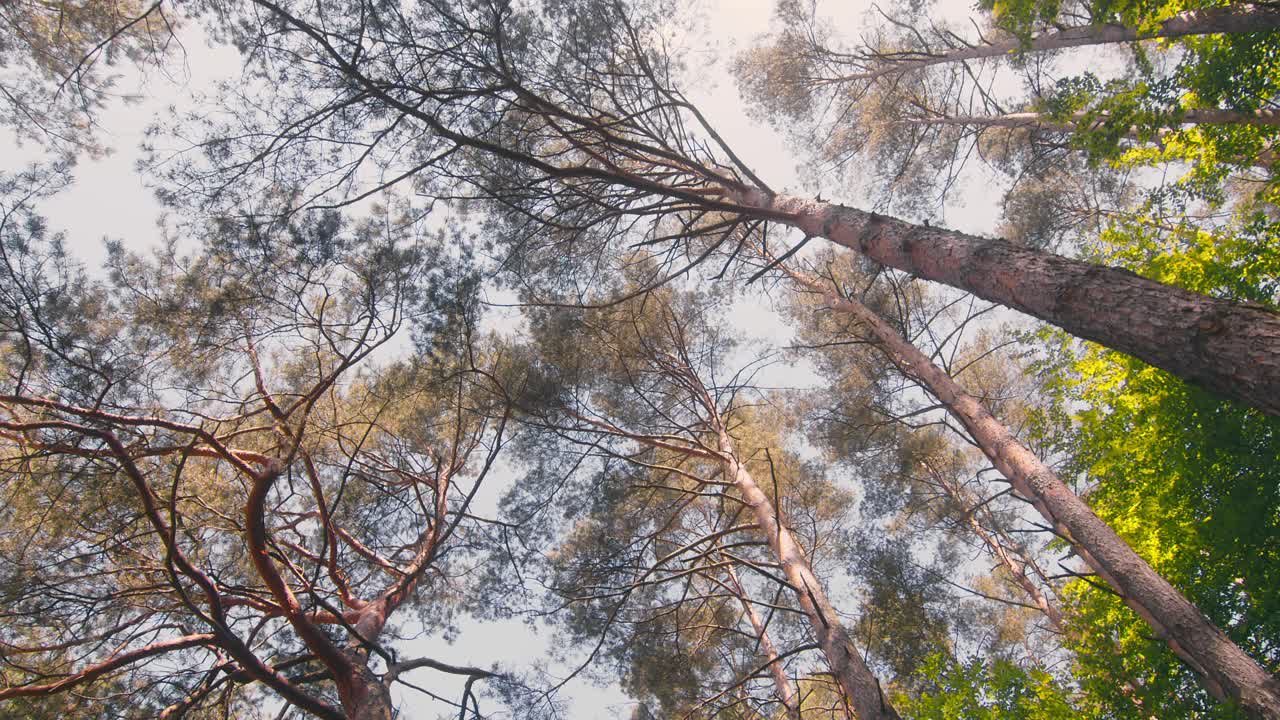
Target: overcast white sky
[(111, 200)]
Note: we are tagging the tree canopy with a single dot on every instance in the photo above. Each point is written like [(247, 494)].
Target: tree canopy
[(452, 320)]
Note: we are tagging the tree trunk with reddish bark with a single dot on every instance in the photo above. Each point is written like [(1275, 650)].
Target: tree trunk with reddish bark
[(368, 698), (1231, 349)]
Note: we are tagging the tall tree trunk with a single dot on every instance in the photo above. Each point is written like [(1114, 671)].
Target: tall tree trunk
[(1236, 18), (857, 683), (782, 684), (1225, 670), (1231, 349)]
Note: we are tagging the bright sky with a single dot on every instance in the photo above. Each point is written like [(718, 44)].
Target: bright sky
[(111, 200)]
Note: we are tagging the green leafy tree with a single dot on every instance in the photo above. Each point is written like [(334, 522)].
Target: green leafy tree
[(1188, 479), (998, 690)]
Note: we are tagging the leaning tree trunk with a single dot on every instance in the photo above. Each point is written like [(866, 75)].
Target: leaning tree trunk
[(1231, 349), (859, 686), (1237, 18), (1225, 670)]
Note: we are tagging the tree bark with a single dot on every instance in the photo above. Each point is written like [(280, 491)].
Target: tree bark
[(1236, 18), (857, 683), (1225, 670), (368, 697), (1231, 349)]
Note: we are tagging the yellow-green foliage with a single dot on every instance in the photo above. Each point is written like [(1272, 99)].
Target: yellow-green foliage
[(1190, 481)]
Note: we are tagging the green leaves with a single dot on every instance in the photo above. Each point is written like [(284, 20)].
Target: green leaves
[(1240, 262), (1022, 17), (1188, 480), (975, 689)]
